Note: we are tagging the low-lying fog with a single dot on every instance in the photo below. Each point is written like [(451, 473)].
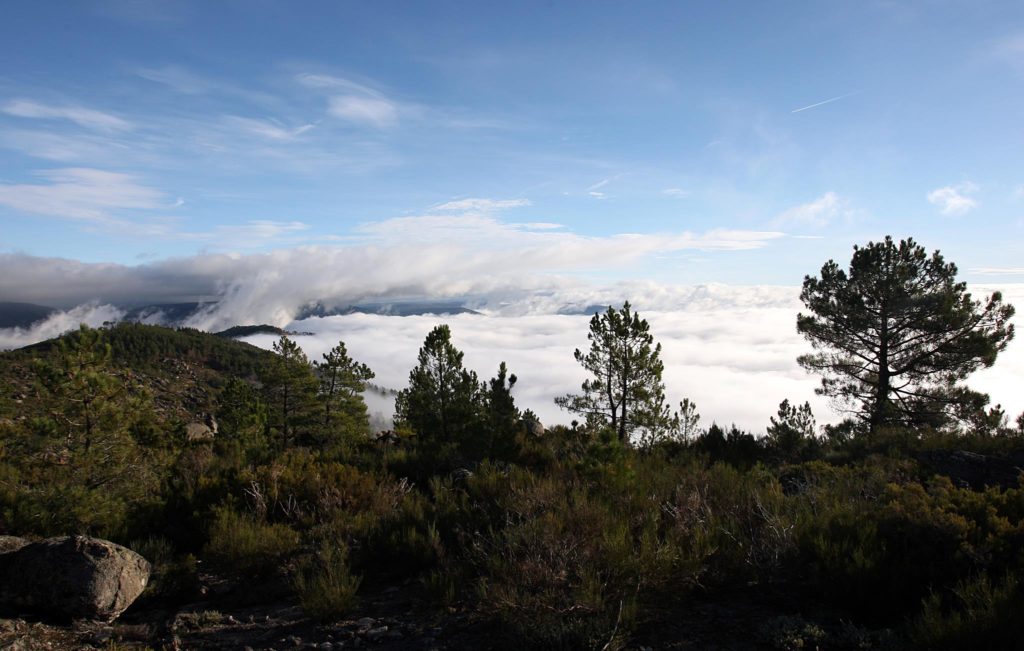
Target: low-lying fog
[(732, 350)]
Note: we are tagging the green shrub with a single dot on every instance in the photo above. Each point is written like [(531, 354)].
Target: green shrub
[(243, 545), (325, 584), (975, 614)]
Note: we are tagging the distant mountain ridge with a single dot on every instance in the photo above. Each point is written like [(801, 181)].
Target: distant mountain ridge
[(396, 308), (176, 315), (22, 315)]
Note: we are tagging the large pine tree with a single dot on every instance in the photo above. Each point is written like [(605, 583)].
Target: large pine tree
[(896, 333)]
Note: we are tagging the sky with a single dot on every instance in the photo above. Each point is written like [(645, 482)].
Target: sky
[(521, 157)]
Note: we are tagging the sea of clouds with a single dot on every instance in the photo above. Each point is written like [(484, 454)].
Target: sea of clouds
[(731, 349)]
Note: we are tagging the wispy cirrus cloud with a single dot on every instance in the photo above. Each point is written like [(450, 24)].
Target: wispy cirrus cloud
[(268, 129), (480, 205), (355, 102), (954, 199), (82, 194), (251, 234), (376, 112), (80, 115), (819, 212), (120, 202)]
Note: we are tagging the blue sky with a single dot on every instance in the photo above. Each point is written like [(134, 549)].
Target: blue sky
[(681, 143)]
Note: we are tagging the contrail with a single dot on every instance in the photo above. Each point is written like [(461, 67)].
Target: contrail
[(828, 101)]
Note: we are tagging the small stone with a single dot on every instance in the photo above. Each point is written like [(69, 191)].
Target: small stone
[(394, 634), (326, 646), (100, 637), (366, 622), (376, 633)]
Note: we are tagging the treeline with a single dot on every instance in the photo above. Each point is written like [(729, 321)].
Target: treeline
[(599, 534)]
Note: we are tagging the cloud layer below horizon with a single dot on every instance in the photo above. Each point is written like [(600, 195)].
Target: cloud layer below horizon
[(735, 358), (730, 349)]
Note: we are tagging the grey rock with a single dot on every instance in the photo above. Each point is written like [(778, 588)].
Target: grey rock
[(199, 432), (366, 622), (73, 576), (10, 544), (376, 633)]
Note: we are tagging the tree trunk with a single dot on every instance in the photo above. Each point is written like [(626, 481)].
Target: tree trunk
[(878, 412)]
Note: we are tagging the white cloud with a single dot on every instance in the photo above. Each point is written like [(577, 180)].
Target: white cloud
[(83, 117), (251, 233), (355, 102), (83, 194), (434, 256), (954, 199), (376, 112), (480, 205), (736, 362), (186, 82), (61, 147), (538, 226), (110, 199), (732, 350), (819, 212), (677, 193), (91, 314), (998, 271), (269, 129)]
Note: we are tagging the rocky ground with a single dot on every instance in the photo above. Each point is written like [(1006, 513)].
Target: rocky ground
[(396, 617)]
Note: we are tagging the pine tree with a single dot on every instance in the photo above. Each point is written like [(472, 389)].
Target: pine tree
[(625, 391), (442, 402), (289, 389), (342, 382), (896, 333), (84, 446), (791, 427), (501, 414)]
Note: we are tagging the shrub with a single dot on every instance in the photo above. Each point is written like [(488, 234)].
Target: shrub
[(975, 614), (325, 584), (243, 545)]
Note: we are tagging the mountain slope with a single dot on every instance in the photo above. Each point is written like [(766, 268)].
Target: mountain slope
[(182, 368), (22, 315)]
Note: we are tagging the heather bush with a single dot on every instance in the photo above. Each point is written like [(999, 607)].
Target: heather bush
[(325, 584), (244, 545)]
